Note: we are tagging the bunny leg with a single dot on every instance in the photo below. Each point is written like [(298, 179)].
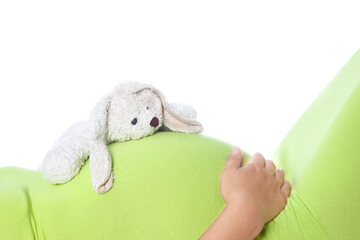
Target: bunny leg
[(68, 155), (60, 167)]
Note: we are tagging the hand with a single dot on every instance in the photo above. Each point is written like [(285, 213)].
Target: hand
[(254, 194), (257, 186)]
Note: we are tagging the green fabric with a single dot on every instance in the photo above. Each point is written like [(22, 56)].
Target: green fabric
[(321, 156), (167, 185)]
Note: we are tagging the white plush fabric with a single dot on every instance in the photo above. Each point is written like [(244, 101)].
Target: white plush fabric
[(131, 111)]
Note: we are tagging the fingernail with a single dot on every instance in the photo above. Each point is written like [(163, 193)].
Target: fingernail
[(235, 150)]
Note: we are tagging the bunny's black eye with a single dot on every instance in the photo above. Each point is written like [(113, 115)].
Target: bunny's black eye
[(147, 108), (134, 121)]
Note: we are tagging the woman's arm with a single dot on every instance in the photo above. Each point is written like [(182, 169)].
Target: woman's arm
[(254, 194), (235, 222)]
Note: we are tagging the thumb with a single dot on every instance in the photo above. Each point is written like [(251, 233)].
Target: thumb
[(235, 158)]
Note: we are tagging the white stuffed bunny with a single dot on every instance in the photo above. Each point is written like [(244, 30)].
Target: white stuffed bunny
[(130, 111)]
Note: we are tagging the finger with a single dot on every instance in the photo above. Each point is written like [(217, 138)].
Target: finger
[(234, 159), (270, 166), (286, 188), (257, 159), (279, 177)]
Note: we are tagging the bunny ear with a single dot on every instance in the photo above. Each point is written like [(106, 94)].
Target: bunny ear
[(179, 118), (183, 110), (99, 115)]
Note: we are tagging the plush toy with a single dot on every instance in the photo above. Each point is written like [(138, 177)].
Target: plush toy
[(130, 111)]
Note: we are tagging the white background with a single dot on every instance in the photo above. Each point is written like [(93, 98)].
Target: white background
[(249, 68)]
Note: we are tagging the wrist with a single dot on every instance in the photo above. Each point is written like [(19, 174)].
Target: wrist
[(250, 215), (236, 221)]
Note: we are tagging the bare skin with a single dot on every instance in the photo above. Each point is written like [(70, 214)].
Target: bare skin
[(254, 195)]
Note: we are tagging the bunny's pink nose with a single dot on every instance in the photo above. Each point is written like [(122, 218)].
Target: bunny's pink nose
[(154, 122)]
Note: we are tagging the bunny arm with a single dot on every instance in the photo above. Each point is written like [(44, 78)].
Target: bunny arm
[(100, 166), (100, 159)]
